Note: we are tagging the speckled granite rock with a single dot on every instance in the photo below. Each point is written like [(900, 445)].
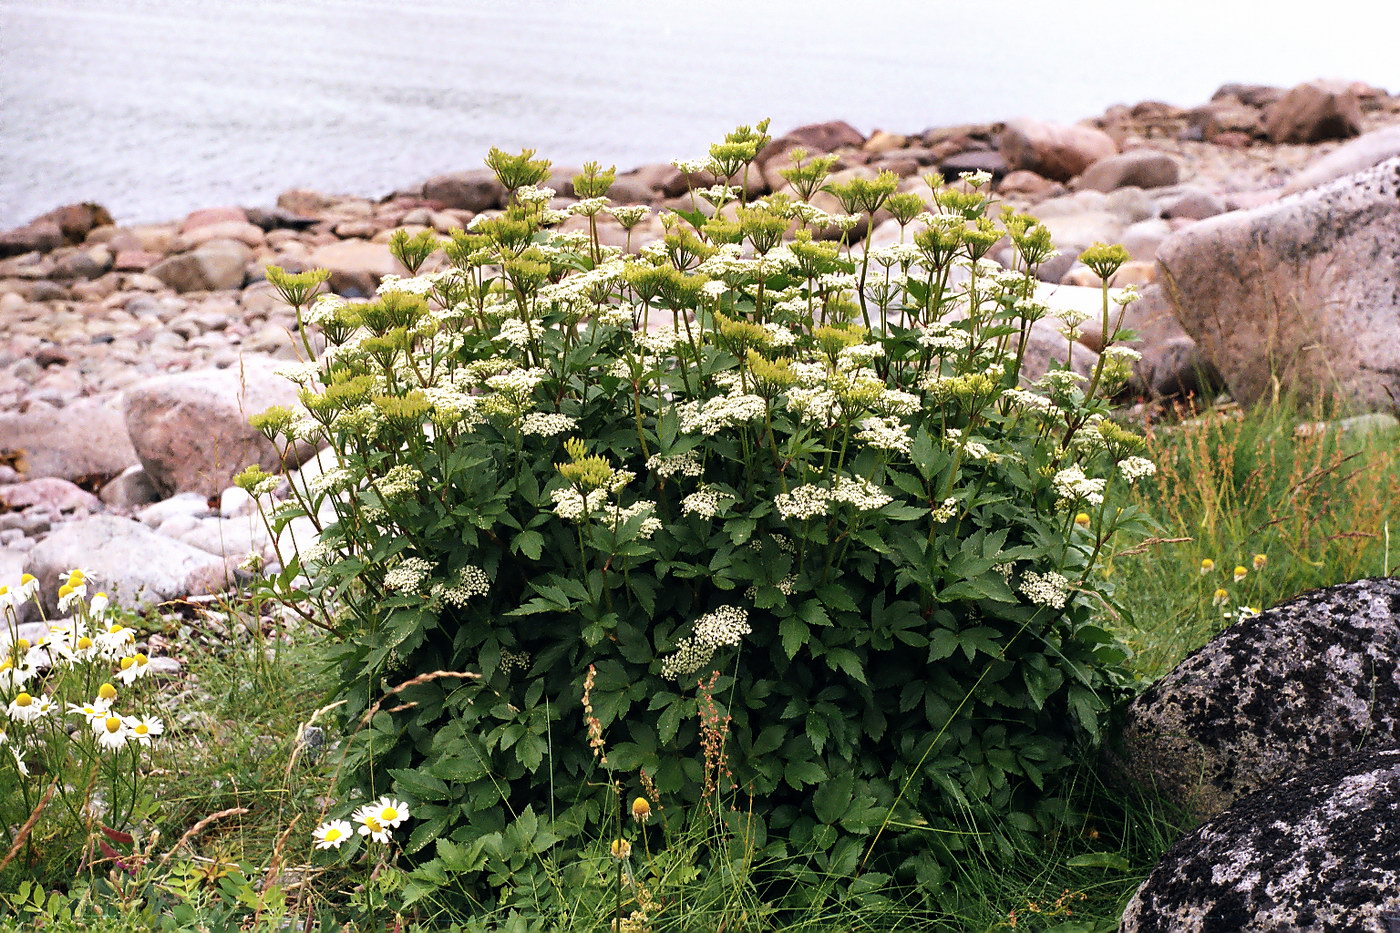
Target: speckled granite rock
[(1317, 852), (1299, 292), (1304, 682)]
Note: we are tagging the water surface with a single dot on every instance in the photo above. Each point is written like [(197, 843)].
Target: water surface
[(156, 107)]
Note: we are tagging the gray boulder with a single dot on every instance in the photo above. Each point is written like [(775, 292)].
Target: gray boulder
[(1317, 852), (1302, 683), (88, 441), (218, 264), (1301, 292), (191, 429), (1356, 156), (133, 565), (1141, 168)]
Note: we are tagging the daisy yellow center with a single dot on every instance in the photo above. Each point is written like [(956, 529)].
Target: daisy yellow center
[(127, 662), (23, 644), (388, 814), (114, 629), (107, 692), (84, 643), (113, 724), (23, 699), (25, 579), (374, 824), (65, 590), (141, 729), (140, 659), (332, 834), (6, 664)]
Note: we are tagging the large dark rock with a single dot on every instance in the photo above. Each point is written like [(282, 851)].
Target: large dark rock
[(476, 191), (1302, 683), (1313, 112), (815, 137), (1054, 150), (1316, 852)]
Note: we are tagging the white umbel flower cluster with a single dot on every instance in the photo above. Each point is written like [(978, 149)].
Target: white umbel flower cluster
[(713, 415), (706, 503), (1045, 589), (409, 575), (546, 424), (885, 434), (686, 464), (722, 627), (1072, 486), (472, 581), (1136, 468), (811, 500)]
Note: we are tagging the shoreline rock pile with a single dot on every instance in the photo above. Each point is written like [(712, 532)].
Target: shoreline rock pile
[(131, 356)]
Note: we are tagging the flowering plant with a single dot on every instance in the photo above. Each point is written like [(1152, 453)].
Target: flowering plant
[(846, 482), (72, 742)]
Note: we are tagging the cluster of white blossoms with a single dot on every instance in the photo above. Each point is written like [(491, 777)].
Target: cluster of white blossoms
[(710, 416), (945, 511), (885, 434), (942, 337), (659, 341), (400, 482), (722, 627), (1072, 486), (408, 575), (546, 424), (1136, 468), (572, 505), (1045, 589), (686, 464), (705, 502), (642, 507), (813, 500), (376, 821), (472, 581)]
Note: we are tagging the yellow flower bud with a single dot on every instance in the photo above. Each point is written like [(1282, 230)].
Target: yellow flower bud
[(1082, 519), (621, 848), (1260, 560), (1207, 565), (1240, 573)]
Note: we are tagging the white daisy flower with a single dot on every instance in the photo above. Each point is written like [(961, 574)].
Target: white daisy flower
[(133, 667), (370, 825), (27, 708), (114, 642), (93, 712), (388, 811), (113, 733), (13, 675), (332, 834), (144, 728)]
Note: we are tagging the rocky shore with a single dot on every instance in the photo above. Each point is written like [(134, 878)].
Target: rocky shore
[(130, 357)]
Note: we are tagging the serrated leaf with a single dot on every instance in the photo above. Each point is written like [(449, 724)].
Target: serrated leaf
[(794, 633)]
